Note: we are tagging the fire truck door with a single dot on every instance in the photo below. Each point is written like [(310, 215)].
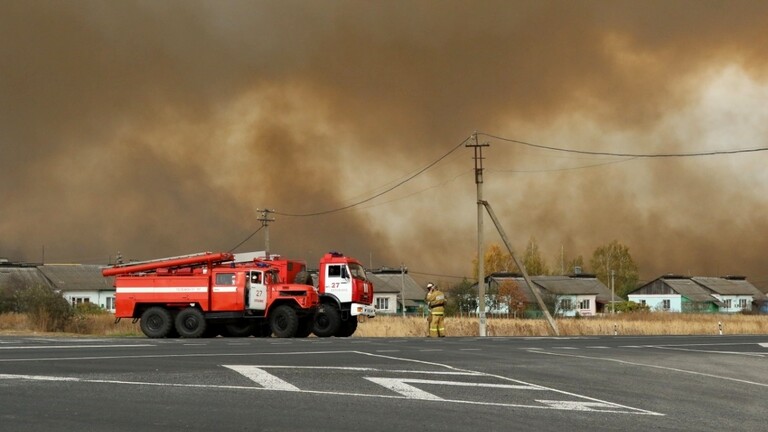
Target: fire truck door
[(257, 291)]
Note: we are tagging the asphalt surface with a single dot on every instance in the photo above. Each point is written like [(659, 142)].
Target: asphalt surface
[(704, 383)]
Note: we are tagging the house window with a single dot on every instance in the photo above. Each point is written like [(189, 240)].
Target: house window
[(728, 304), (584, 304), (110, 305), (666, 304), (80, 300), (642, 302), (566, 304), (742, 303), (382, 303)]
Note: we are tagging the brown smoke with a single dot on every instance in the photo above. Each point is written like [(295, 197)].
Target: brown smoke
[(159, 128)]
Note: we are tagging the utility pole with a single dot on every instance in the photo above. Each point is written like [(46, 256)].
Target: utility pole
[(478, 157), (265, 219), (613, 305), (521, 267), (402, 286)]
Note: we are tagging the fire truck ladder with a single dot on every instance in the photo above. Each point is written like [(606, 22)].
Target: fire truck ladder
[(178, 261)]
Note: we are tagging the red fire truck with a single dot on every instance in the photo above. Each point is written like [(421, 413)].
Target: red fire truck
[(208, 294), (345, 292)]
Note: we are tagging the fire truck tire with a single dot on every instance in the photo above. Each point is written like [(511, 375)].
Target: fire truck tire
[(348, 327), (327, 321), (283, 321), (156, 322), (190, 323)]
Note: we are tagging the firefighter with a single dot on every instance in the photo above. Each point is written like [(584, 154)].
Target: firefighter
[(436, 302)]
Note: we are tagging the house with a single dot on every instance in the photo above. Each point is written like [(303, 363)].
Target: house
[(676, 293), (390, 286), (571, 295), (81, 283), (77, 283)]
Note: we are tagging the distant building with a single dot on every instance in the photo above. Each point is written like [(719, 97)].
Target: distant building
[(577, 294), (75, 282), (390, 286), (676, 293)]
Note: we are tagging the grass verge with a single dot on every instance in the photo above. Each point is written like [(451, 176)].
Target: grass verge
[(396, 326)]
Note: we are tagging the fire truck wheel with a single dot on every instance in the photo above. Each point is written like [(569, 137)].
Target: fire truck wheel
[(284, 321), (190, 323), (327, 321), (348, 327), (156, 322)]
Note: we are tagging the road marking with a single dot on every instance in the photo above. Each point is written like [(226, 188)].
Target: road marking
[(263, 378), (405, 389), (25, 347), (37, 377), (652, 366), (764, 345), (402, 386)]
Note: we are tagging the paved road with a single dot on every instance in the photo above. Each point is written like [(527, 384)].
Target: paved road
[(712, 383)]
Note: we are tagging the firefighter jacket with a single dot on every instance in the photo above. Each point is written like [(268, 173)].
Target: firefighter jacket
[(436, 302)]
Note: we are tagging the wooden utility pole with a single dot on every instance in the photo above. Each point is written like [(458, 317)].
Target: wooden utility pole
[(265, 219), (478, 157), (534, 290)]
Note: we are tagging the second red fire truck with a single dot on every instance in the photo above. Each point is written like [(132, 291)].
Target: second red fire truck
[(209, 294)]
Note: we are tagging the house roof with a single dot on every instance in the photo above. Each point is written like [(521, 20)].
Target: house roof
[(22, 276), (560, 285), (700, 288), (394, 282), (75, 277), (690, 290), (729, 286)]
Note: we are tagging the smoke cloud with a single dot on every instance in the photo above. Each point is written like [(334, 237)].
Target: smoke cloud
[(160, 128)]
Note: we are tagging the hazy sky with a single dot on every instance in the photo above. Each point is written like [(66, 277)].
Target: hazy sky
[(159, 128)]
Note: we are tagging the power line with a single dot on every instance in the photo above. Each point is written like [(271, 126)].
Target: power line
[(630, 155), (566, 168), (390, 189), (247, 238)]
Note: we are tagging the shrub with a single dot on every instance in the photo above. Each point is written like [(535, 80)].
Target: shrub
[(629, 306), (47, 310)]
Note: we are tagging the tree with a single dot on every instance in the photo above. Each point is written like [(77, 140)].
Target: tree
[(495, 260), (615, 257), (511, 294), (462, 298), (568, 264), (534, 263)]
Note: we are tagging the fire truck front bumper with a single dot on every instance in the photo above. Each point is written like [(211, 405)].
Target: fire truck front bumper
[(362, 309)]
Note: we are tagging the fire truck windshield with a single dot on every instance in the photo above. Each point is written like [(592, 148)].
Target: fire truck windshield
[(273, 277), (357, 271)]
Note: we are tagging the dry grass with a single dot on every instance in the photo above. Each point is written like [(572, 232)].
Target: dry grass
[(624, 324), (396, 326)]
